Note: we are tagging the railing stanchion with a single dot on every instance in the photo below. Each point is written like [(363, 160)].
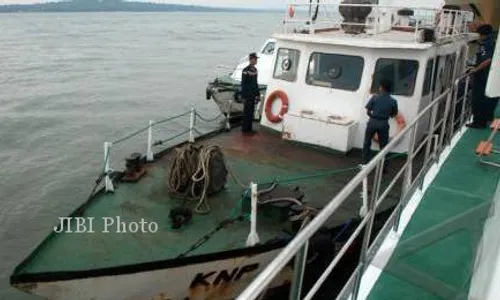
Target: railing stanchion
[(253, 237), (453, 107), (149, 153), (107, 169), (299, 267), (364, 196), (464, 101), (192, 121), (228, 115), (408, 178), (430, 138), (368, 229), (445, 121)]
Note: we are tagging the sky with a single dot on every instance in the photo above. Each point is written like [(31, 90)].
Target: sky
[(275, 4)]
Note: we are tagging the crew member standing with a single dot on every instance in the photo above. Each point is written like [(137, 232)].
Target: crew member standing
[(483, 107), (250, 93), (380, 109)]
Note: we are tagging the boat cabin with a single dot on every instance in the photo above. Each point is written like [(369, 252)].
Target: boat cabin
[(266, 55), (325, 71)]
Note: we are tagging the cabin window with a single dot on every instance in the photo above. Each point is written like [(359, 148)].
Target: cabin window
[(335, 71), (402, 73), (269, 48), (287, 62), (428, 78)]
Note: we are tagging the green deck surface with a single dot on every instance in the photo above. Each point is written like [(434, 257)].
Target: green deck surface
[(261, 158), (443, 268)]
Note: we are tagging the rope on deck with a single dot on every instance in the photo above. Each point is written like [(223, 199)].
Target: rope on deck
[(192, 176), (292, 179)]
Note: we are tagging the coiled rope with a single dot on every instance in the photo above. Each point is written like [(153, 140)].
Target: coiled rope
[(202, 176), (191, 174), (183, 165)]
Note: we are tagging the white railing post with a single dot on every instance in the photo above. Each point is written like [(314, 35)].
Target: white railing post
[(299, 268), (107, 169), (192, 121), (464, 103), (228, 115), (149, 153), (253, 237), (364, 196)]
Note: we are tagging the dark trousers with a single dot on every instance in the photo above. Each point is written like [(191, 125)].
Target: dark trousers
[(379, 127), (483, 107), (248, 112)]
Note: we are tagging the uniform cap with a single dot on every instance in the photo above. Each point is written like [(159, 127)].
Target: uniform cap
[(253, 55)]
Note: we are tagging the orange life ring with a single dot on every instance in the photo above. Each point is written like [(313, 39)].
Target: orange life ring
[(400, 121), (269, 106)]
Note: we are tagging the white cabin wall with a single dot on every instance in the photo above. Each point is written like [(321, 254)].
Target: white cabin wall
[(327, 101)]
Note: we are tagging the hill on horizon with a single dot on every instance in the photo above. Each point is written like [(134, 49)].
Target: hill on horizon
[(113, 6)]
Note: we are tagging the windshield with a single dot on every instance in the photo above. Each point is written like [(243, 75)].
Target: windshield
[(269, 48), (335, 71)]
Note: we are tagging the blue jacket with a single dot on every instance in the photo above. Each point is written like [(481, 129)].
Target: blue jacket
[(249, 84), (382, 107)]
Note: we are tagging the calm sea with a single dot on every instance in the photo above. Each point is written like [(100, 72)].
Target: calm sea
[(69, 82)]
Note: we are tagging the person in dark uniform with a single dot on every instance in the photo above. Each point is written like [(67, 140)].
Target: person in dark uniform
[(483, 107), (250, 93), (380, 109)]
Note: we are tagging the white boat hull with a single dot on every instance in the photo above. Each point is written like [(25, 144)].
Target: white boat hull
[(225, 101), (215, 279)]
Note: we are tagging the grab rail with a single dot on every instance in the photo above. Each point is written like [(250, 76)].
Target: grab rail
[(191, 131), (382, 18), (298, 246)]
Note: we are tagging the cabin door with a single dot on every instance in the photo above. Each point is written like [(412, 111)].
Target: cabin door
[(427, 93), (445, 73)]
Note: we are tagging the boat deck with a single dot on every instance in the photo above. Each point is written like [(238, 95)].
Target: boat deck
[(263, 158), (435, 255)]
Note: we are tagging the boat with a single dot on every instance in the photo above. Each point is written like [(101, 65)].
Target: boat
[(440, 241), (219, 215), (225, 90)]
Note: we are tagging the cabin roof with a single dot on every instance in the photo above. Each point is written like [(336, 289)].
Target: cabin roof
[(386, 40)]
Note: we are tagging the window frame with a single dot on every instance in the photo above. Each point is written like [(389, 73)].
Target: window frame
[(330, 87), (276, 64), (429, 80), (263, 51), (374, 89)]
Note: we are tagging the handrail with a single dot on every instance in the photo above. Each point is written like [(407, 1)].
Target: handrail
[(295, 246), (425, 17), (106, 170), (144, 129)]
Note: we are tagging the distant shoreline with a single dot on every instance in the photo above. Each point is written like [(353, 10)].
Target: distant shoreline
[(93, 6)]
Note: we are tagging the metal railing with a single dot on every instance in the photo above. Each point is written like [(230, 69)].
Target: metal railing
[(304, 16), (446, 115), (190, 134)]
